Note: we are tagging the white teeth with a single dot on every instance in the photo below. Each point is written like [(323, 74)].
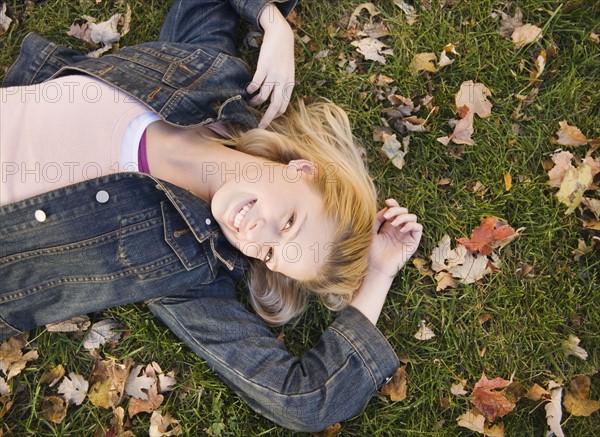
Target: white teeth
[(240, 215)]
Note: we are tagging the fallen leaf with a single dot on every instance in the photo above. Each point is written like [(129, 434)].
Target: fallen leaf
[(166, 381), (508, 24), (474, 96), (491, 230), (595, 37), (394, 150), (12, 359), (562, 164), (491, 403), (473, 269), (331, 431), (424, 333), (525, 34), (444, 59), (151, 403), (4, 19), (101, 332), (76, 324), (472, 420), (591, 224), (554, 409), (354, 22), (138, 383), (575, 182), (423, 62), (444, 258), (462, 132), (458, 389), (571, 347), (52, 374), (372, 49), (395, 388), (422, 266), (5, 404), (54, 409), (494, 430), (540, 64), (411, 14), (576, 399), (4, 387), (108, 383), (444, 280), (570, 135), (582, 249), (73, 388), (537, 393), (507, 181), (159, 425), (593, 205)]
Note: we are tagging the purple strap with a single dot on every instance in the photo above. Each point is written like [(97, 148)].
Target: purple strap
[(142, 156)]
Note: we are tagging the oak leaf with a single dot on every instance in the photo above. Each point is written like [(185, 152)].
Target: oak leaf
[(576, 399), (395, 388), (491, 403), (491, 230)]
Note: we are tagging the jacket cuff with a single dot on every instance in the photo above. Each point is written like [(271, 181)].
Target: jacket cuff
[(368, 342), (250, 10)]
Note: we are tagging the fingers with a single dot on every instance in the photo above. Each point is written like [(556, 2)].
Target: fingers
[(279, 94)]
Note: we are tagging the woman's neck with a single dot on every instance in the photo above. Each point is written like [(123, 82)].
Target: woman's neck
[(189, 160)]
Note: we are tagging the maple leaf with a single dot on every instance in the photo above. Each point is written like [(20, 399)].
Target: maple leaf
[(100, 333), (458, 389), (12, 359), (159, 425), (395, 388), (575, 182), (444, 280), (73, 388), (444, 258), (576, 399), (423, 62), (424, 333), (152, 402), (394, 150), (472, 420), (474, 96), (491, 403), (554, 409), (472, 269), (372, 49), (537, 393), (138, 382), (108, 383), (525, 34), (54, 409), (490, 231), (569, 135)]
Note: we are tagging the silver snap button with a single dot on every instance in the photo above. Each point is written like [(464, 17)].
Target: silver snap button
[(102, 196), (207, 221), (40, 216)]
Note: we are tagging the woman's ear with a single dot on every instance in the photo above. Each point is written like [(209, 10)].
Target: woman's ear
[(303, 165)]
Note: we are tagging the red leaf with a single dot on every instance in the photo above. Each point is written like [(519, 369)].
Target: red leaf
[(488, 400), (490, 230)]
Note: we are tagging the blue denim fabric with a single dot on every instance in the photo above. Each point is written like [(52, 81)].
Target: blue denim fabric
[(156, 242)]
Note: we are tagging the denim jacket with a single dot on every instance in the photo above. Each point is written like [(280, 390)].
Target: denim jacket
[(130, 237)]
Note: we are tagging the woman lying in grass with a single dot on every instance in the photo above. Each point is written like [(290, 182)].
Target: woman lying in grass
[(131, 206)]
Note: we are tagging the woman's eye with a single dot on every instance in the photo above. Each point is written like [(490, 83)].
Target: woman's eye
[(269, 255), (290, 222)]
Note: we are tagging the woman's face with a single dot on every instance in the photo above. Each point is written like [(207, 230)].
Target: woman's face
[(272, 212)]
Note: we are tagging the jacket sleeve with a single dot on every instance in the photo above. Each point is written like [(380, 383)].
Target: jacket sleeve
[(327, 384), (250, 9)]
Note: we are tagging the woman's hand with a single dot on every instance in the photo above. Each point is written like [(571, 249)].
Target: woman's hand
[(274, 77), (397, 236)]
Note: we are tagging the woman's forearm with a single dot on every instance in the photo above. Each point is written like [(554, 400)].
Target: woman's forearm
[(371, 295)]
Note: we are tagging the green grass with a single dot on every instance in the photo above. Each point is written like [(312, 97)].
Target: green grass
[(530, 316)]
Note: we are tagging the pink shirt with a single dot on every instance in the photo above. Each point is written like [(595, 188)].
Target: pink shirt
[(61, 132)]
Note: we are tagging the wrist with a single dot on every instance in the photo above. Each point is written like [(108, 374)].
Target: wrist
[(271, 18)]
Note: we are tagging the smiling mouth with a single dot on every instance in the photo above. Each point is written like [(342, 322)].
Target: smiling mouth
[(239, 217)]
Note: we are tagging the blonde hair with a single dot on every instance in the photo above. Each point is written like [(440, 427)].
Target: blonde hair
[(320, 133)]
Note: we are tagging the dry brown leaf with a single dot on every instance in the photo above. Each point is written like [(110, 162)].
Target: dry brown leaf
[(411, 14), (52, 374), (473, 269), (153, 401), (331, 431), (444, 280), (508, 24), (591, 224), (458, 389), (5, 404), (159, 425), (462, 132), (540, 64), (101, 332), (444, 59), (443, 257), (595, 37), (108, 383), (525, 34), (12, 359), (422, 266), (582, 249), (54, 409), (562, 164), (495, 430), (472, 420), (537, 393), (4, 19), (507, 181), (570, 135), (75, 324), (138, 383), (474, 96), (372, 49), (491, 403), (576, 399), (423, 62), (394, 150), (395, 388), (593, 205)]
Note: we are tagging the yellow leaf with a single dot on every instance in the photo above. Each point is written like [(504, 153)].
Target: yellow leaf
[(423, 62), (507, 181), (576, 399), (54, 409), (573, 185)]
